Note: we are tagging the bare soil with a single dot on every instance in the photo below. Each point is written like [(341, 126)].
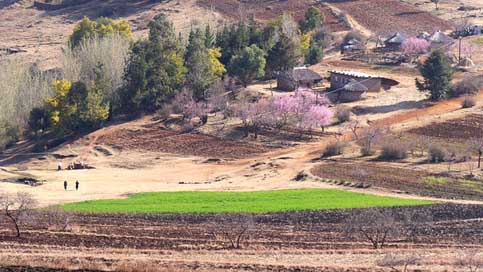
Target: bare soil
[(160, 139), (389, 16), (266, 10), (300, 241), (461, 129), (398, 179)]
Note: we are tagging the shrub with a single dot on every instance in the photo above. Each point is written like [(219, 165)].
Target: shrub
[(468, 86), (333, 149), (468, 102), (393, 151), (343, 114), (436, 154)]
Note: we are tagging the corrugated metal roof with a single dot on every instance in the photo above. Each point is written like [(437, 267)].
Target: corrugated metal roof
[(354, 74)]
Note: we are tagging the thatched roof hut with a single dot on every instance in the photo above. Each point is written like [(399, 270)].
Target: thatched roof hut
[(395, 41), (297, 77), (352, 91)]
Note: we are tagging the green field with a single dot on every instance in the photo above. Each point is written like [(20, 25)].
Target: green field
[(233, 202)]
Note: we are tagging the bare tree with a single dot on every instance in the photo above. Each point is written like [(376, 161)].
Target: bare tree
[(56, 218), (354, 127), (233, 229), (399, 263), (436, 3), (17, 208), (476, 144), (218, 98), (375, 225), (371, 136)]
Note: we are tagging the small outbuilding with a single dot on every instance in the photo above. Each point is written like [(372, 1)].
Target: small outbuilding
[(395, 41), (438, 39), (297, 77), (352, 45), (352, 91)]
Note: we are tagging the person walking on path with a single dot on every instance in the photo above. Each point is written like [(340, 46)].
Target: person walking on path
[(65, 185), (76, 185)]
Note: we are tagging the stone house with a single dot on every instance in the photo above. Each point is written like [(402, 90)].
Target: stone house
[(297, 77)]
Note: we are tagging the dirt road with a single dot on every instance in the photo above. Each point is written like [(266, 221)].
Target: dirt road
[(127, 172)]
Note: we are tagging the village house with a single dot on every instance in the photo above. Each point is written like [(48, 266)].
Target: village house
[(350, 86), (352, 45), (395, 41), (439, 39), (297, 77), (339, 79)]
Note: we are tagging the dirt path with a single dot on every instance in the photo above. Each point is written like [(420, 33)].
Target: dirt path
[(134, 172)]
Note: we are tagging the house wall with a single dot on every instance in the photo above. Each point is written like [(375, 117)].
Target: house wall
[(346, 96), (338, 81), (286, 85)]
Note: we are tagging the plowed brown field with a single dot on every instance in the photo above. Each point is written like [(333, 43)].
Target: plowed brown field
[(186, 242), (388, 16), (159, 139), (266, 10)]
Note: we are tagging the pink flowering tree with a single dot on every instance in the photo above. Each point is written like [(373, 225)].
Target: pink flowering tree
[(304, 110), (415, 46), (254, 115), (318, 116), (184, 104)]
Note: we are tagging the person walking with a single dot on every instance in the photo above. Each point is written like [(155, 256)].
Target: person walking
[(65, 185), (76, 185)]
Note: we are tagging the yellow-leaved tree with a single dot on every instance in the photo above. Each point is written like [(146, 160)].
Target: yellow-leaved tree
[(217, 68), (100, 28), (58, 105)]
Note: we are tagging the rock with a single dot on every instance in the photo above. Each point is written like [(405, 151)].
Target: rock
[(301, 176)]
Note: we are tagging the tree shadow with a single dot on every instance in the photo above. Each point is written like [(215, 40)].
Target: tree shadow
[(404, 105)]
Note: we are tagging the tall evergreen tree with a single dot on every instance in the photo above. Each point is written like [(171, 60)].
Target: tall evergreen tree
[(155, 70), (199, 76), (210, 38), (313, 19), (248, 64), (438, 74), (283, 56), (316, 52)]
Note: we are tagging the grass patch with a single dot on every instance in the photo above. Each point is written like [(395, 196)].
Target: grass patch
[(435, 180), (236, 202)]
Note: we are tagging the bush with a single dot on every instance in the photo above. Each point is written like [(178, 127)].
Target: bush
[(393, 151), (468, 102), (436, 154), (343, 114), (333, 149), (468, 86)]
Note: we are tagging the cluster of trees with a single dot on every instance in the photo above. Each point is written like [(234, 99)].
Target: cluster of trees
[(279, 46), (303, 111), (105, 74), (93, 67), (23, 87)]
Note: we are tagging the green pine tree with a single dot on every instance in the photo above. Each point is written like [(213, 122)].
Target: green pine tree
[(248, 64), (438, 74)]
